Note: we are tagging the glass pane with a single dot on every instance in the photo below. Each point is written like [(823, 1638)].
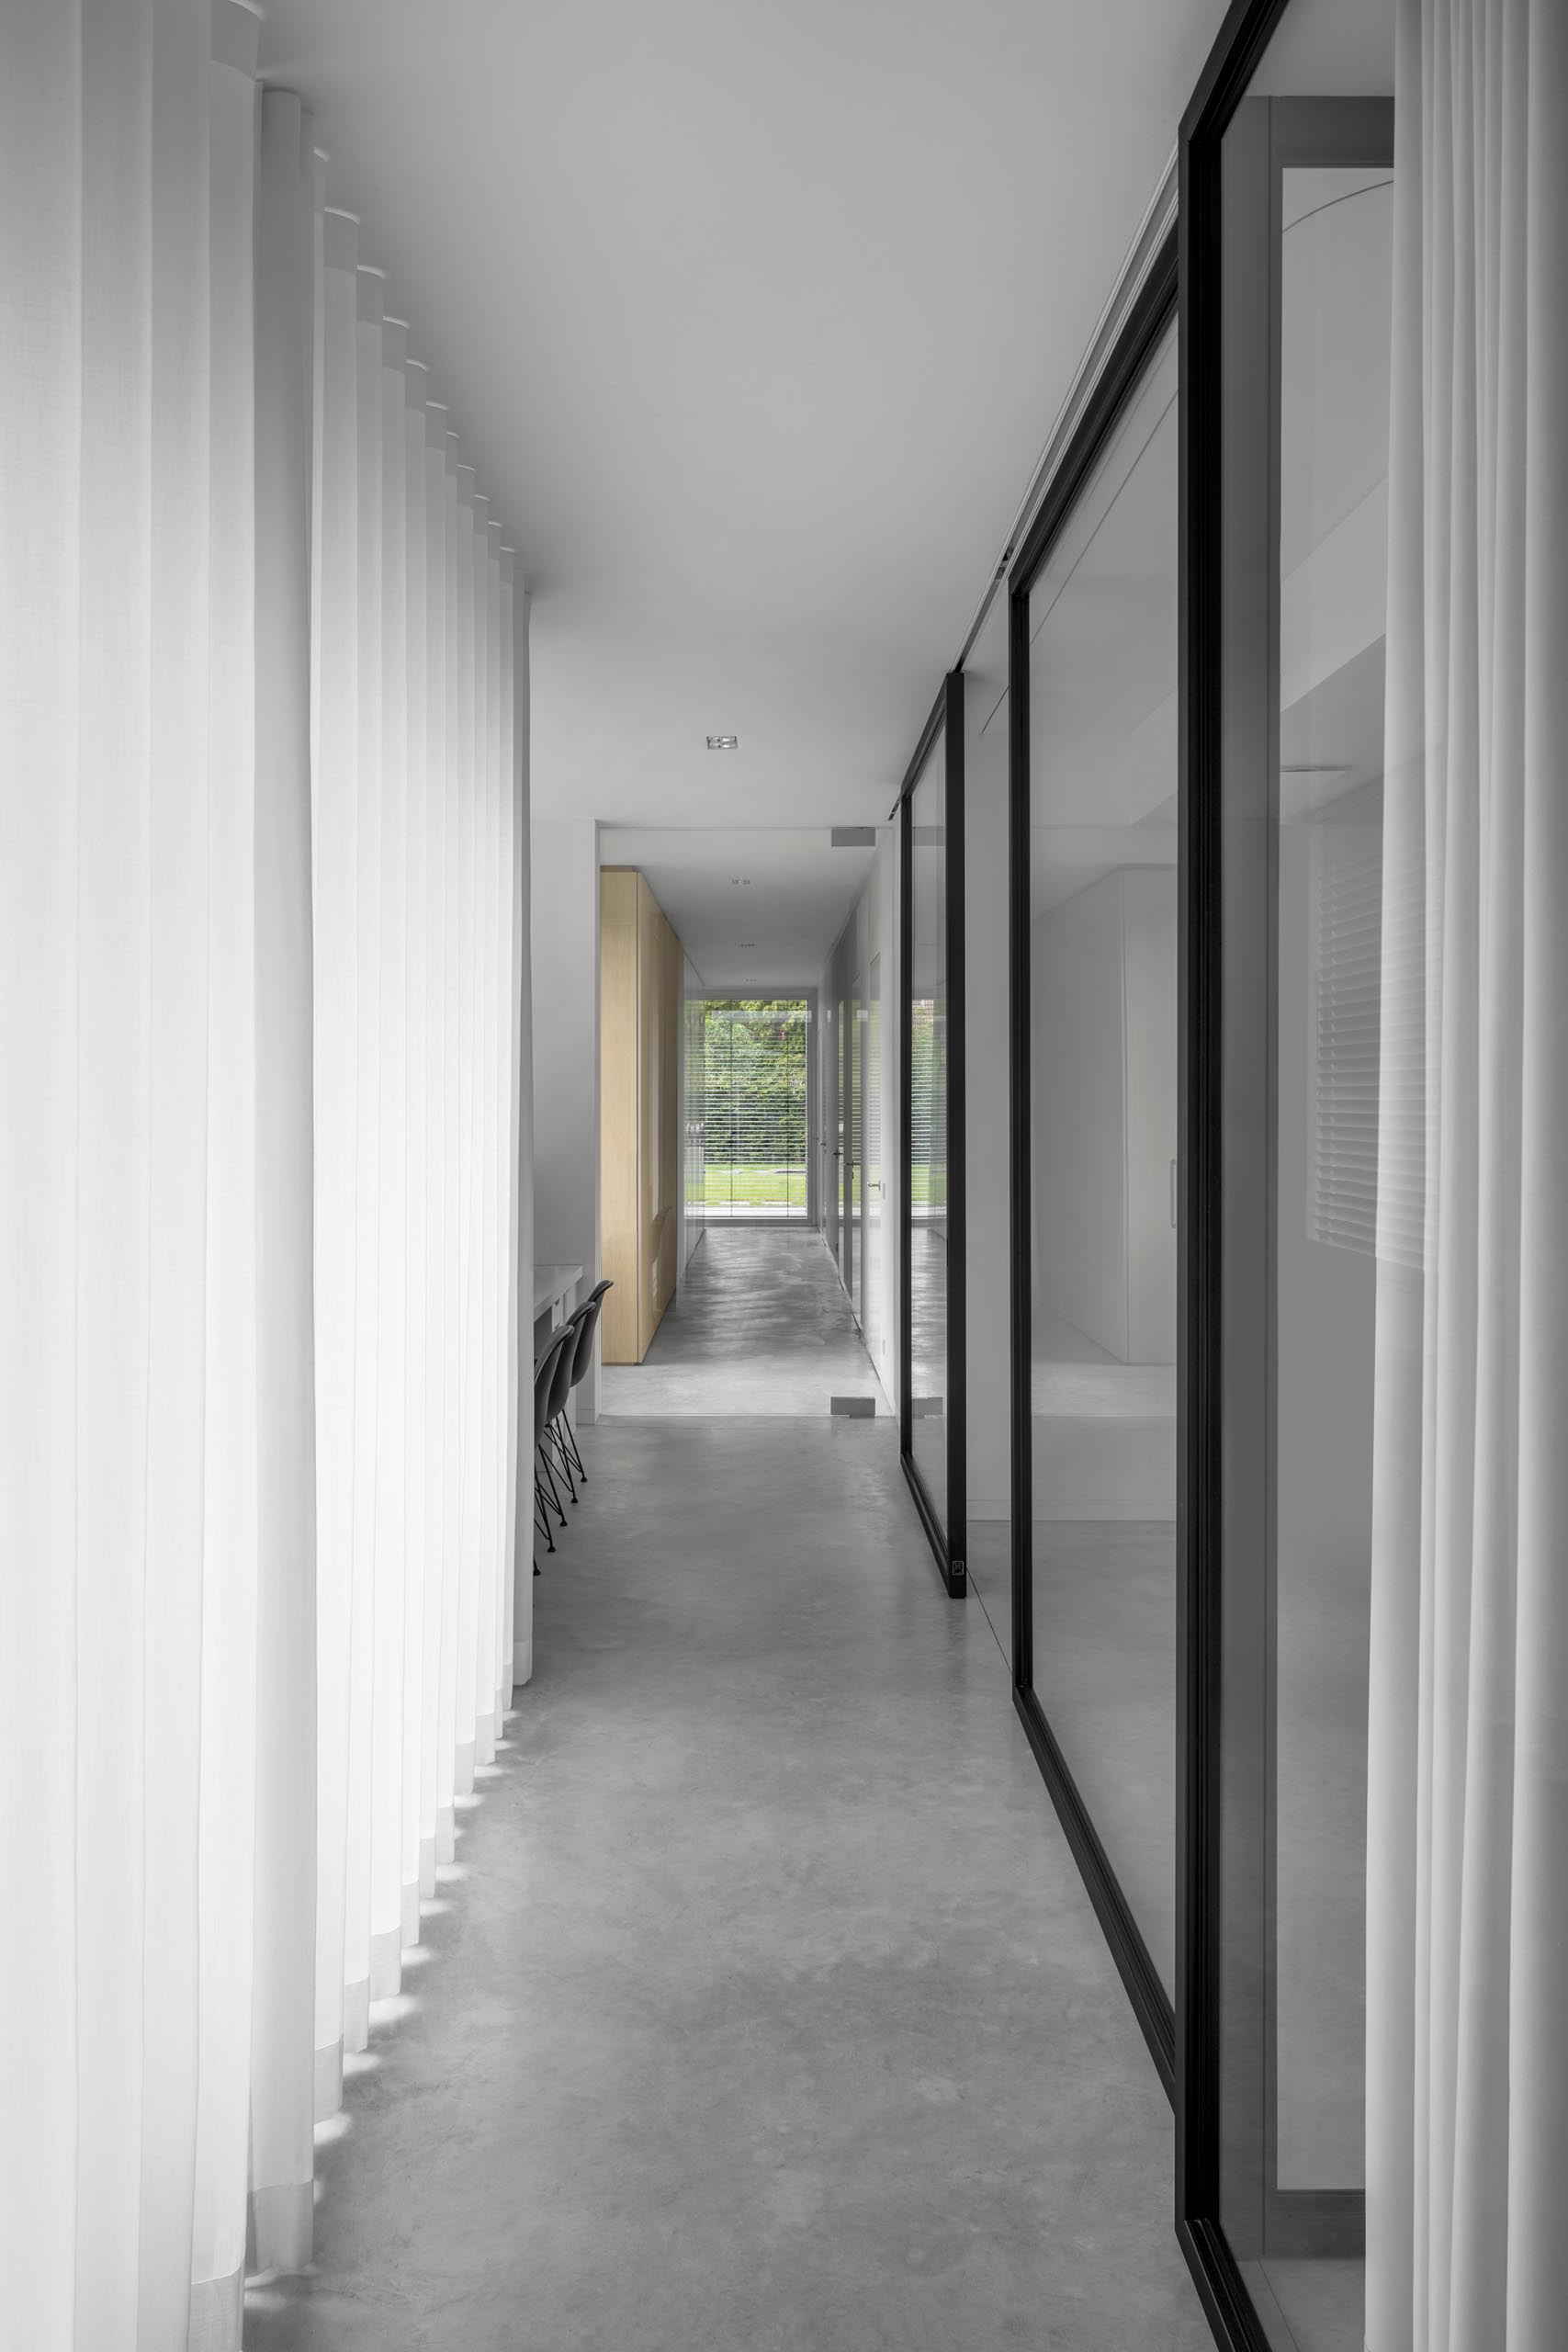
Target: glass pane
[(752, 1159), (1335, 283), (857, 1145), (928, 1127), (988, 1546), (845, 1155), (1306, 153), (873, 1181), (1102, 622)]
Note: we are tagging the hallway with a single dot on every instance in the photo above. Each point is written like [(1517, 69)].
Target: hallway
[(763, 2007), (759, 1324)]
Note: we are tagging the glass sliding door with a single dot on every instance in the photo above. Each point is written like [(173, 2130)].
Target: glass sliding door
[(1094, 767), (856, 1152), (844, 1154), (872, 1180), (1305, 952), (931, 892), (748, 1160)]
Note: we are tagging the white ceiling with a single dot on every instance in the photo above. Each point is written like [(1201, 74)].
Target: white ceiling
[(756, 908), (754, 320)]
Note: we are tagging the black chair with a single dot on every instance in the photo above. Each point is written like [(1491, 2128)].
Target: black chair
[(551, 1450), (546, 1366), (587, 1321)]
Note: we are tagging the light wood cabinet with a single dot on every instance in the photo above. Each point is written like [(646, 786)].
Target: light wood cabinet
[(642, 964)]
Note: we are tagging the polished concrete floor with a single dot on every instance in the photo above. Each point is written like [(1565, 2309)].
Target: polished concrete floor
[(763, 2007), (759, 1324)]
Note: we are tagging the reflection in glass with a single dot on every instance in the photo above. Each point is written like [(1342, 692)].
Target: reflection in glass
[(1102, 625), (856, 1147), (871, 1178), (1334, 269), (928, 1131), (1334, 275), (1296, 1615), (844, 1157)]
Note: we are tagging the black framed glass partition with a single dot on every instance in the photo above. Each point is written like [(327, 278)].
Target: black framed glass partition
[(1093, 765), (1302, 957), (932, 1414)]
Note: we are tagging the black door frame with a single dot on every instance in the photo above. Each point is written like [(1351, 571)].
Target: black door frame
[(946, 719), (1228, 227), (1147, 322)]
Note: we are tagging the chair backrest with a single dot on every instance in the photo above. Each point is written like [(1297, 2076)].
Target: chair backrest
[(561, 1374), (546, 1366), (589, 1312)]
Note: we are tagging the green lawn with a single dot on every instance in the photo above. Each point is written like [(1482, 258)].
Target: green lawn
[(777, 1188), (754, 1188)]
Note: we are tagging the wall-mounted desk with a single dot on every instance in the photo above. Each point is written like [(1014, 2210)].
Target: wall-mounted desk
[(553, 1288)]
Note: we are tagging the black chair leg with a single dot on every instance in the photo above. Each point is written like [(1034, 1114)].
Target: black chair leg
[(550, 1483), (561, 1456), (542, 1518), (569, 1437)]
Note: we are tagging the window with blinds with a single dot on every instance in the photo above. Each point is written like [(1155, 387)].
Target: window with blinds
[(927, 1111), (746, 1102), (693, 1121), (1366, 941)]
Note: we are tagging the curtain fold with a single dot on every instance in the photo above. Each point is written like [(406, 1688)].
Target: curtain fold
[(1467, 2114), (260, 1188), (283, 2035), (226, 1770), (112, 1207), (335, 938), (517, 1663), (178, 1127)]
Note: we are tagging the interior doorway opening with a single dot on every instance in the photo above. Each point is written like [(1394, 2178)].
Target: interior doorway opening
[(747, 1110)]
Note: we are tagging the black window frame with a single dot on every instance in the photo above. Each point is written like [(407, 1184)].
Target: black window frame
[(1228, 662), (1146, 325), (946, 719)]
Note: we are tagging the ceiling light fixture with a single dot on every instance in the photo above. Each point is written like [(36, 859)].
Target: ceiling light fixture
[(724, 742)]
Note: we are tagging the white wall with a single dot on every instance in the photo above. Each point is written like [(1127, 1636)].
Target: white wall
[(1103, 1047), (1078, 1110), (1149, 976), (565, 902)]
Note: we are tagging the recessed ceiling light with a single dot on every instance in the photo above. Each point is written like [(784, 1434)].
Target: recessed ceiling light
[(724, 742)]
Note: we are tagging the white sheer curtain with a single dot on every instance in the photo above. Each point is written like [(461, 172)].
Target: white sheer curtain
[(283, 2036), (419, 814), (1467, 2122), (262, 1200)]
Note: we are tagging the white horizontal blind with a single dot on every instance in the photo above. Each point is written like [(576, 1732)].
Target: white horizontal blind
[(928, 1108), (693, 1109), (751, 1107), (1365, 939)]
